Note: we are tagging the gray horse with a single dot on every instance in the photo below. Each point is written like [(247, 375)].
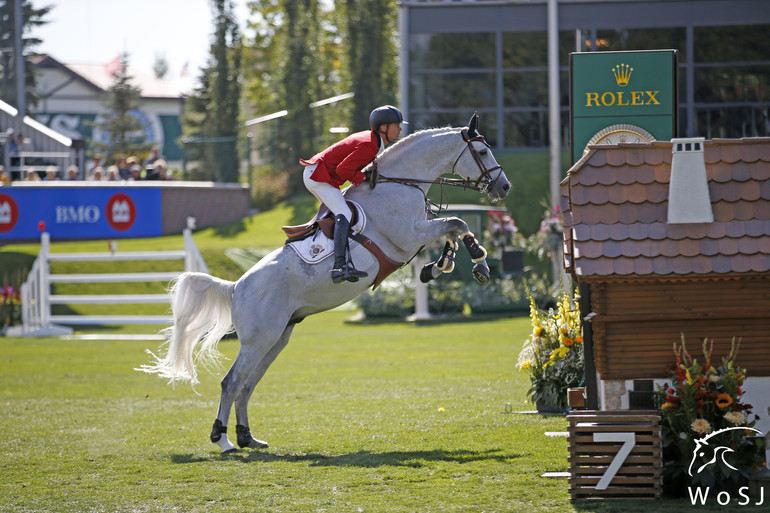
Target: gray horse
[(265, 304)]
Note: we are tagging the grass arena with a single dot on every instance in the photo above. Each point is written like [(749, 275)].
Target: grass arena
[(381, 417)]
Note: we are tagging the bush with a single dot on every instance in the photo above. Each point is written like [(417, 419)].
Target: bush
[(269, 187)]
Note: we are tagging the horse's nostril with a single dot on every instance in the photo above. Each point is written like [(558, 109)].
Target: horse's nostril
[(506, 186)]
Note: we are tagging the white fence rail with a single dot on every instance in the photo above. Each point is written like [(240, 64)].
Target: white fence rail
[(36, 297)]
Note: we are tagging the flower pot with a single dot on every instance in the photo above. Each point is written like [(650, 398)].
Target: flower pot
[(547, 408)]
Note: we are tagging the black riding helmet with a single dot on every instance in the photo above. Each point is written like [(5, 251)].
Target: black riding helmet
[(385, 115)]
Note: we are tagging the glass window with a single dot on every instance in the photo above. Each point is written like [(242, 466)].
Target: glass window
[(643, 39), (525, 89), (442, 51), (732, 122), (525, 49), (731, 44), (452, 90), (487, 122), (721, 84), (523, 129)]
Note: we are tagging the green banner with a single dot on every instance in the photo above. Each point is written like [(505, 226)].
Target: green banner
[(622, 97)]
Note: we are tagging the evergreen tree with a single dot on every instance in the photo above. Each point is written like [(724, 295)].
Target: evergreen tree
[(31, 17), (125, 132), (299, 77), (370, 25), (210, 122)]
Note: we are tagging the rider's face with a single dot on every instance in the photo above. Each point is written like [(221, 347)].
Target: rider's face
[(392, 131)]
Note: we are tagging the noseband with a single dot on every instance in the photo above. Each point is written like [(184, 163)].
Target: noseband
[(485, 179), (481, 184)]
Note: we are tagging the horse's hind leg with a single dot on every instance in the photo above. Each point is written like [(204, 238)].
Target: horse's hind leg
[(248, 358), (244, 394)]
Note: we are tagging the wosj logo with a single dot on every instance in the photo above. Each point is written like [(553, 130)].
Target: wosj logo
[(705, 456)]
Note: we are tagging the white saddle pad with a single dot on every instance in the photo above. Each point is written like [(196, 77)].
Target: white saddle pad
[(318, 248)]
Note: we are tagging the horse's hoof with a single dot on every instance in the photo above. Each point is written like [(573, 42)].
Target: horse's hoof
[(246, 440), (226, 446), (481, 272), (257, 444)]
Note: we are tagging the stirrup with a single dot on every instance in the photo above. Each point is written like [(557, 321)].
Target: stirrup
[(347, 273)]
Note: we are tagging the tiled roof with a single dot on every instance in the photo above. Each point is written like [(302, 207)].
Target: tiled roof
[(615, 204)]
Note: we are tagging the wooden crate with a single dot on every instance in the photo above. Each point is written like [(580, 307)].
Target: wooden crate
[(615, 454)]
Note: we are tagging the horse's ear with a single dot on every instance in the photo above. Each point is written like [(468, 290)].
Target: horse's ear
[(473, 125)]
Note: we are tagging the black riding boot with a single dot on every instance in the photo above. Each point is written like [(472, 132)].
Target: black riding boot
[(343, 266)]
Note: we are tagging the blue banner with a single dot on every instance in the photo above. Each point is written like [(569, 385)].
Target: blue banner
[(85, 212)]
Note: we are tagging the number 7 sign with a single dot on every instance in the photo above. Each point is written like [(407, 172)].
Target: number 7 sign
[(629, 441)]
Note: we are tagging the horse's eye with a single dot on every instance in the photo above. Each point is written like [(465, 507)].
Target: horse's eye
[(483, 153)]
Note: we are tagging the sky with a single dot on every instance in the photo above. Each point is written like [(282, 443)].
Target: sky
[(97, 31)]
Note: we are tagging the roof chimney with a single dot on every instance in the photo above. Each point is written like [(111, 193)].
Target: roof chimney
[(688, 193)]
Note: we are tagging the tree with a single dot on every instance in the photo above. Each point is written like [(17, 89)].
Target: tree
[(371, 50), (31, 17), (125, 132), (210, 122)]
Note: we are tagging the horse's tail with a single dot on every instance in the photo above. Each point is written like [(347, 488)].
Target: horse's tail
[(202, 306)]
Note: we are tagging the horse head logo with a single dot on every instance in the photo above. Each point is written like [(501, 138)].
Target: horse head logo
[(702, 449)]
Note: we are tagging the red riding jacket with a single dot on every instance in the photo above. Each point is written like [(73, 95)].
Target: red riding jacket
[(343, 161)]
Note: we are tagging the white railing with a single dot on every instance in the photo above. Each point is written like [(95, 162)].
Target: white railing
[(36, 297)]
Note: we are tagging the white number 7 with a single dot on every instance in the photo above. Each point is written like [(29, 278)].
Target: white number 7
[(629, 441)]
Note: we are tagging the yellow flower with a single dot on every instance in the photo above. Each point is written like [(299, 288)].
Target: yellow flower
[(525, 365), (666, 405)]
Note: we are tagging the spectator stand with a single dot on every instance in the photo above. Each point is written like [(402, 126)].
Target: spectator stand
[(48, 146)]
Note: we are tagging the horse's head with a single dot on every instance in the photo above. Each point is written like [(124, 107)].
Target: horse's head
[(478, 165)]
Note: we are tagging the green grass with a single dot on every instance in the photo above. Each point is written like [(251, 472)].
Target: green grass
[(382, 417), (386, 417)]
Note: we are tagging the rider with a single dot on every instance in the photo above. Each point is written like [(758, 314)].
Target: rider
[(343, 161)]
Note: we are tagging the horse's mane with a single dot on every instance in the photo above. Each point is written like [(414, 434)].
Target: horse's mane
[(397, 146)]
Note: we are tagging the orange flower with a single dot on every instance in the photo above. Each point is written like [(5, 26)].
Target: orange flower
[(724, 400), (579, 339), (568, 342)]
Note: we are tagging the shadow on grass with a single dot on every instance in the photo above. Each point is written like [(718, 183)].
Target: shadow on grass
[(365, 459)]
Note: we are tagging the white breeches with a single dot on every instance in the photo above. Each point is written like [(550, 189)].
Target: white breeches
[(328, 195)]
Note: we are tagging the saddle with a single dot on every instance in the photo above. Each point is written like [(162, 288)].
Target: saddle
[(324, 221)]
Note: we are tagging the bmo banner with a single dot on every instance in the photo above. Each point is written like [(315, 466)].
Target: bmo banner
[(79, 212)]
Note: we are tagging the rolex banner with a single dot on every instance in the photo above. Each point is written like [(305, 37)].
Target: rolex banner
[(618, 97), (79, 212)]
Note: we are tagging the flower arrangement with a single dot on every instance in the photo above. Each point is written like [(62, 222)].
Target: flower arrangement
[(553, 353), (501, 233), (10, 307), (704, 401)]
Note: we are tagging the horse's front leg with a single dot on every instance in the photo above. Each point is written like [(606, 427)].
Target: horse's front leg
[(452, 228)]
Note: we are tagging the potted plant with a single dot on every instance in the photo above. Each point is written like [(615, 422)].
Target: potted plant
[(553, 353), (702, 405)]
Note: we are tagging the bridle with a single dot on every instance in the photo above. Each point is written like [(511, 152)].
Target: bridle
[(481, 184)]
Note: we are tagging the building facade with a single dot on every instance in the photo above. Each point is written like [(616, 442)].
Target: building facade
[(489, 56), (72, 96)]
